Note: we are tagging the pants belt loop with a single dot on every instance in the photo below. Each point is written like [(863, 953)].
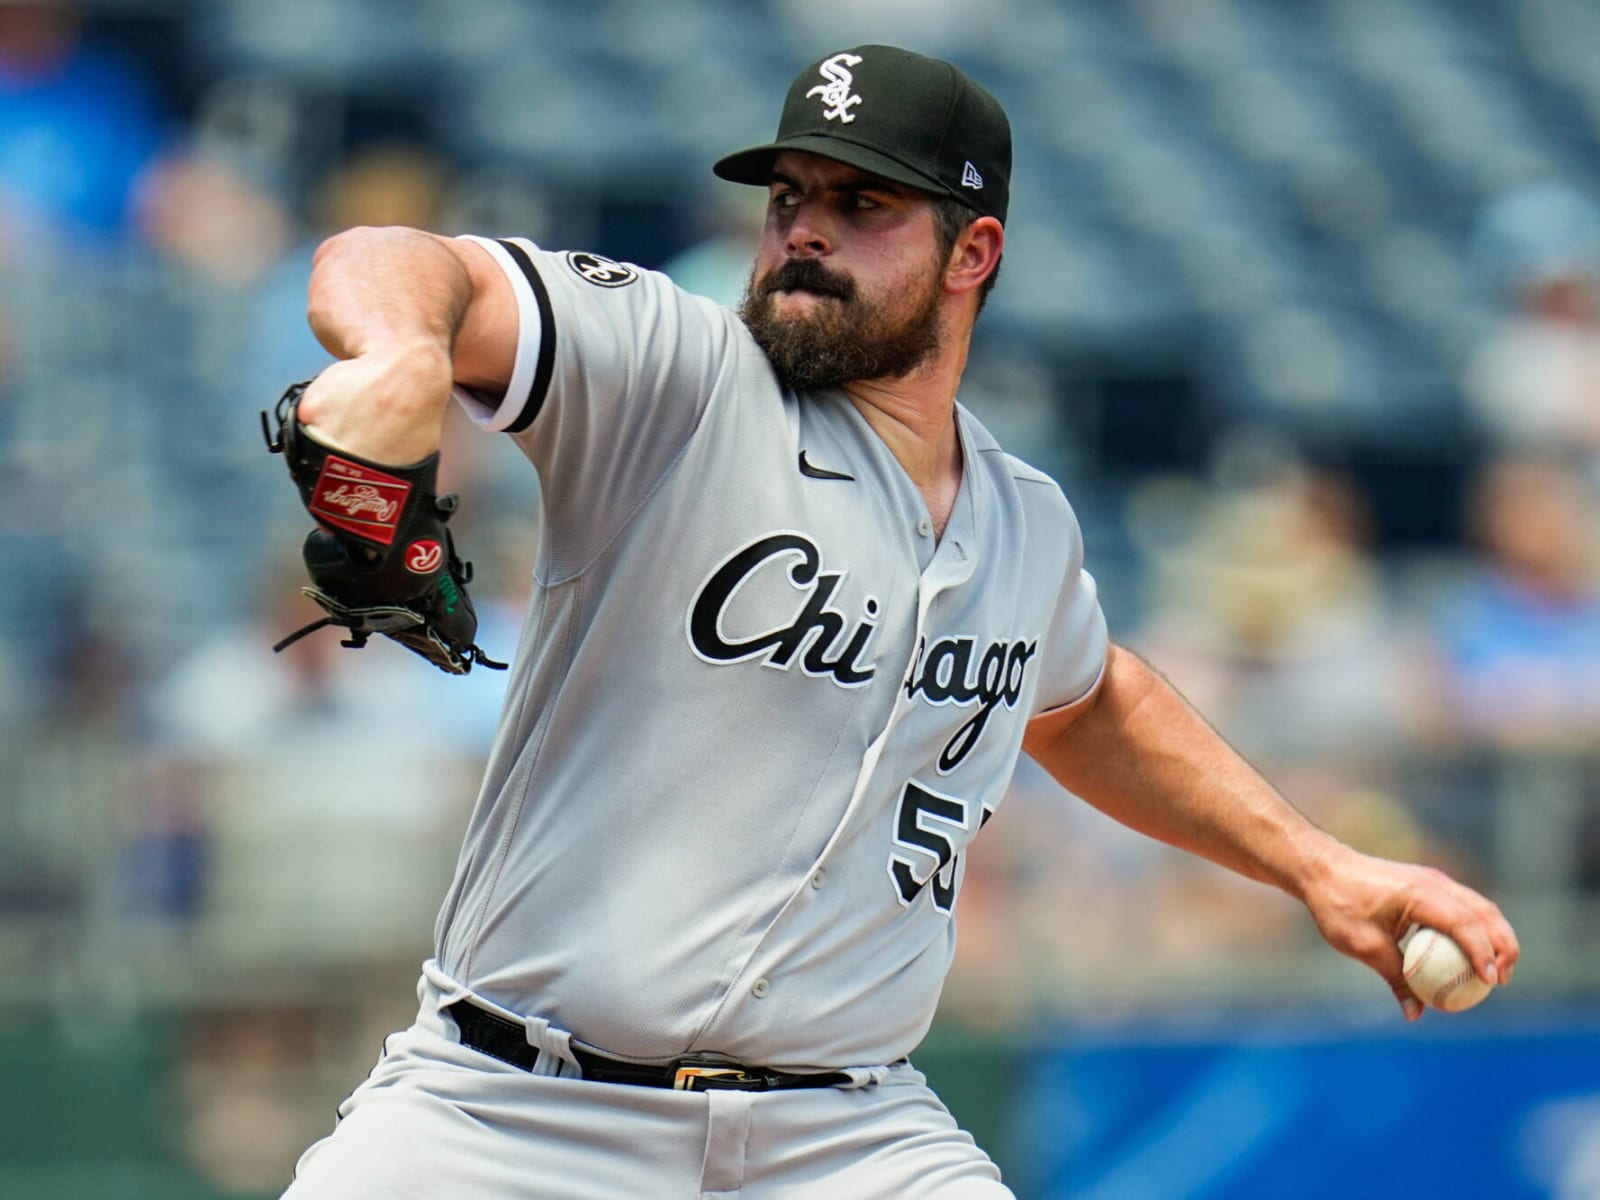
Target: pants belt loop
[(555, 1046), (727, 1136)]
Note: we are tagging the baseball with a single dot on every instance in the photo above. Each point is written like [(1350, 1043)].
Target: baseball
[(1439, 973)]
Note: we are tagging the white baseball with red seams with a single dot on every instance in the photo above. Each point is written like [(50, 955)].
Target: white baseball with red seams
[(1439, 972)]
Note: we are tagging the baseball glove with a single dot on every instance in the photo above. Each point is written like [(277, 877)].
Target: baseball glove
[(381, 559)]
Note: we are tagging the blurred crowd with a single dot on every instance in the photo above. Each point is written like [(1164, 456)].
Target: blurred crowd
[(1303, 312)]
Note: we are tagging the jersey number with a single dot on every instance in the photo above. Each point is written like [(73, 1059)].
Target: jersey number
[(921, 826)]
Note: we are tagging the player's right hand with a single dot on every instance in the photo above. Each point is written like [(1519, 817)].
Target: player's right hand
[(386, 405), (1363, 905)]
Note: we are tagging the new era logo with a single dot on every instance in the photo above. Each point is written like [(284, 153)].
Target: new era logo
[(970, 177)]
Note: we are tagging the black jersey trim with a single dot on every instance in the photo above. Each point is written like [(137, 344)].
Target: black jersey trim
[(547, 339)]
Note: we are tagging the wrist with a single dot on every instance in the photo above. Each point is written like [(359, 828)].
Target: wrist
[(1319, 861), (386, 405), (419, 352), (405, 380)]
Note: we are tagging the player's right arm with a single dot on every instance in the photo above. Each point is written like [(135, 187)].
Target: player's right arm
[(408, 314), (1135, 750)]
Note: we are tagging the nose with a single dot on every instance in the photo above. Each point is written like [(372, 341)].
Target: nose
[(806, 237)]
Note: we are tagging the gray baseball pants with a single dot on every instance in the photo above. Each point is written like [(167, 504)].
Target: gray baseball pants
[(438, 1119)]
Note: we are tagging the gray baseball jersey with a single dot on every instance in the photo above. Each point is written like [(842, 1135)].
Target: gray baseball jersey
[(758, 709)]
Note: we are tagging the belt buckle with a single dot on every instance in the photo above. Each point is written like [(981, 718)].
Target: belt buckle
[(695, 1074)]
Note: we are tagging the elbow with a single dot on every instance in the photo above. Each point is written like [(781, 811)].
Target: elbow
[(386, 286), (361, 243), (331, 249), (1050, 729), (342, 269), (359, 238), (335, 254), (326, 288), (1059, 736)]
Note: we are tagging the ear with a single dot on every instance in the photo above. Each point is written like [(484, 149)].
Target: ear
[(975, 255)]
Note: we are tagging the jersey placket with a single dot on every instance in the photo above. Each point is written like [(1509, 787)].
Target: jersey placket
[(951, 565)]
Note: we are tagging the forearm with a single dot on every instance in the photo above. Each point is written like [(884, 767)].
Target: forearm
[(1141, 755), (389, 303)]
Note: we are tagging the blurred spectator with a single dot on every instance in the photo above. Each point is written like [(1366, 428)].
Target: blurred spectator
[(212, 219), (1269, 615), (1519, 639), (79, 122), (1535, 381)]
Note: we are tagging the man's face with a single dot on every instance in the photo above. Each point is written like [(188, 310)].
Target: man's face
[(849, 277)]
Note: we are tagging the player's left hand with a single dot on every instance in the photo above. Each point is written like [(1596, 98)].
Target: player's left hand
[(1364, 905)]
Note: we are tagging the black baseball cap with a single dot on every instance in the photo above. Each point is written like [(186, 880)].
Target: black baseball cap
[(896, 114)]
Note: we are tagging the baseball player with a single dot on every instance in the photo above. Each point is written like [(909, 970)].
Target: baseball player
[(795, 616)]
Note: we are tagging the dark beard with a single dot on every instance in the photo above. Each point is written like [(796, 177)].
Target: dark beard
[(842, 342)]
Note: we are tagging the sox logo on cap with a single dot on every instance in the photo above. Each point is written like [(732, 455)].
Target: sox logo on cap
[(836, 92)]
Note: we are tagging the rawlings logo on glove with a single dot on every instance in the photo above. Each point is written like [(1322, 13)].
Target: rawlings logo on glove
[(381, 559), (358, 499)]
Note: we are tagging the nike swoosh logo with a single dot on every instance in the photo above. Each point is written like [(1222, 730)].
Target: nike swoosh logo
[(812, 472)]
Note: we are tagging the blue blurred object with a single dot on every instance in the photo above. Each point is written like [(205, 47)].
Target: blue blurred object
[(1543, 230), (74, 136), (1456, 1106)]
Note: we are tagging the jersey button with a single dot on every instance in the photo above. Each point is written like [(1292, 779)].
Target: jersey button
[(820, 878), (760, 988), (925, 527)]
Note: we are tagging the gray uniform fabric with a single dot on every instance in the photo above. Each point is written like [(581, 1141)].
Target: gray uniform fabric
[(756, 713)]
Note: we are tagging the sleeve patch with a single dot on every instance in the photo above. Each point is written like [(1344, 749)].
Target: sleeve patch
[(600, 270)]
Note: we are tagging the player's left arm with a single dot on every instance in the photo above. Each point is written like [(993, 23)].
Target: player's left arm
[(1138, 752)]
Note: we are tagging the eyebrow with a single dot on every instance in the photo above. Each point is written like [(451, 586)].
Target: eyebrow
[(869, 183)]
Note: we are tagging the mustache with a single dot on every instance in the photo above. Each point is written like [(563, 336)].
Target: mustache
[(808, 275)]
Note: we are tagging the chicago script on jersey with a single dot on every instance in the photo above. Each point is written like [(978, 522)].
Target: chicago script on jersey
[(816, 627), (946, 673)]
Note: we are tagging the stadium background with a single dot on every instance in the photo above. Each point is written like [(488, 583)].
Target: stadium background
[(1300, 307)]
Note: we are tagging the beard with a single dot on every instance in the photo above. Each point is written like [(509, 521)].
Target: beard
[(843, 340)]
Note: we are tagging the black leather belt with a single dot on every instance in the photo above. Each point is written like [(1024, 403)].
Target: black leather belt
[(491, 1034)]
